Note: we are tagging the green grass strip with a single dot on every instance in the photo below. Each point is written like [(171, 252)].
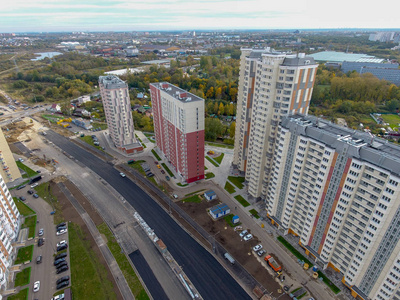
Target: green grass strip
[(143, 144), (254, 213), (25, 182), (24, 254), (209, 175), (28, 171), (294, 251), (329, 283), (228, 220), (30, 222), (130, 276), (22, 295), (23, 278), (102, 126), (229, 187), (23, 209), (219, 158), (196, 192), (212, 161), (180, 184), (242, 201), (194, 199), (155, 154), (88, 275), (219, 145), (238, 181), (168, 170), (44, 192)]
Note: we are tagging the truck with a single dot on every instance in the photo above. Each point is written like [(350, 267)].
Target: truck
[(273, 264), (229, 258)]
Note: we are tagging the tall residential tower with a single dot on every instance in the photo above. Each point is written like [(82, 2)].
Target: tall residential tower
[(179, 129), (271, 85), (8, 168)]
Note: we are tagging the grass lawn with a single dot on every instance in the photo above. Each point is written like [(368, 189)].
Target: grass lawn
[(30, 222), (294, 251), (150, 137), (254, 213), (155, 154), (44, 191), (88, 140), (219, 158), (180, 184), (22, 295), (212, 161), (229, 187), (219, 145), (136, 165), (168, 170), (102, 126), (131, 278), (209, 175), (238, 181), (23, 209), (24, 254), (329, 283), (143, 144), (205, 168), (242, 201), (88, 275), (194, 198), (392, 119), (23, 277), (196, 192), (228, 220), (28, 171)]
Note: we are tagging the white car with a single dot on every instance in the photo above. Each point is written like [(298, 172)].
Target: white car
[(36, 286), (62, 231), (34, 185), (63, 242), (243, 233), (58, 297), (256, 248), (122, 175), (41, 232), (248, 237), (20, 159)]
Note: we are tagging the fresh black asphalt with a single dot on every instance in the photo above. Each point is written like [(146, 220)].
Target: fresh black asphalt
[(208, 276)]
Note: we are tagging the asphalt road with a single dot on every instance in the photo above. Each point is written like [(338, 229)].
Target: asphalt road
[(205, 272)]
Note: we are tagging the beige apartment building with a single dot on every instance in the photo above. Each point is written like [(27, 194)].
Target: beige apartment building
[(117, 108), (338, 190), (8, 168), (271, 85), (9, 228)]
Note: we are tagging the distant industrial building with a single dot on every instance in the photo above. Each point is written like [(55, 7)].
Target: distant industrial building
[(8, 168), (117, 109), (338, 190), (9, 228), (179, 129)]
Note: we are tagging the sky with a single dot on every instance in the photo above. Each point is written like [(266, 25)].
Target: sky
[(149, 15)]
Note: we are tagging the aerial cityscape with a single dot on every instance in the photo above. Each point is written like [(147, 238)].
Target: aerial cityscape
[(199, 150)]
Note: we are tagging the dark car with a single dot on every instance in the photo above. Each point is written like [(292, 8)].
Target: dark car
[(61, 255), (22, 198), (61, 228), (156, 162), (63, 224), (38, 171), (149, 174), (35, 196), (59, 261), (62, 269), (62, 284), (64, 278), (21, 187), (63, 247), (40, 242), (167, 177), (63, 264), (30, 192)]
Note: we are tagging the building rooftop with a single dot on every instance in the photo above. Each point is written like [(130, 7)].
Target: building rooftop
[(112, 82), (357, 144), (176, 92), (333, 56), (290, 59)]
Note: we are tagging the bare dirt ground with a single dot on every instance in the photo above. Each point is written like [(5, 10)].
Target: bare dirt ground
[(70, 214)]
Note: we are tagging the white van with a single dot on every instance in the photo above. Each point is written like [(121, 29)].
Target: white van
[(229, 257)]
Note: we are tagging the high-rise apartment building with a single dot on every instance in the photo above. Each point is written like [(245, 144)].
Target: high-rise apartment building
[(9, 227), (117, 108), (179, 129), (8, 168), (338, 190), (271, 85)]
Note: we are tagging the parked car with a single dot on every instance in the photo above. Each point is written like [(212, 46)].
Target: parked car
[(36, 286), (59, 261), (38, 171), (162, 172), (30, 192), (261, 252), (58, 297), (175, 196), (62, 285), (22, 198), (62, 231), (248, 237), (149, 174), (62, 248), (257, 247), (63, 224), (21, 187), (39, 259), (62, 264), (21, 159), (243, 233), (61, 255), (122, 175), (35, 196), (63, 269), (167, 177), (34, 185), (63, 242), (41, 232), (40, 242), (64, 278), (156, 162)]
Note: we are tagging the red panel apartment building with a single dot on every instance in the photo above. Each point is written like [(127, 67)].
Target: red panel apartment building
[(179, 129)]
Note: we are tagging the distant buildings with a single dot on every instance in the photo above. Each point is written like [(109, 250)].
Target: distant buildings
[(338, 190), (382, 36), (8, 168), (333, 56), (117, 109), (9, 228), (271, 85), (179, 129)]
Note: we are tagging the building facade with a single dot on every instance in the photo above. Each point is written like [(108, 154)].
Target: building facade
[(179, 129), (117, 108), (271, 85), (338, 190), (9, 228), (8, 168)]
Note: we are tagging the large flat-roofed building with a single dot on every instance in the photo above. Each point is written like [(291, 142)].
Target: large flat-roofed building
[(179, 129), (271, 85), (338, 190), (9, 228), (8, 168), (117, 108)]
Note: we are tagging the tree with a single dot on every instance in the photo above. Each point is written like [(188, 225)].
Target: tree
[(210, 92), (221, 109), (213, 129), (232, 129)]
